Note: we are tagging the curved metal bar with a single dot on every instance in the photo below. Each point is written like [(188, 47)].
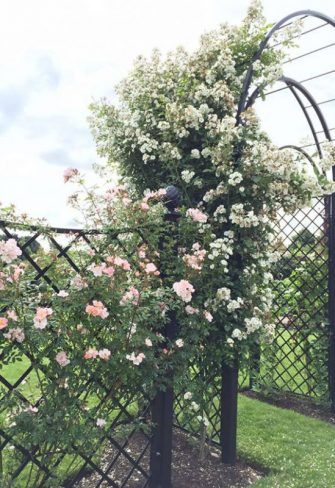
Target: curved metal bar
[(293, 86), (304, 153), (292, 89), (263, 45), (312, 101)]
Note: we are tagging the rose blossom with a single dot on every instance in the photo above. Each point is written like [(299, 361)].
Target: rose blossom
[(97, 309), (184, 290), (2, 282), (91, 353), (3, 322), (97, 269), (15, 334), (9, 251), (41, 317), (144, 207), (78, 282), (62, 358), (101, 422), (104, 354), (179, 343), (11, 314), (191, 310), (150, 268), (131, 296), (62, 294), (148, 342), (16, 274), (120, 262), (196, 215), (70, 173), (208, 316), (136, 360)]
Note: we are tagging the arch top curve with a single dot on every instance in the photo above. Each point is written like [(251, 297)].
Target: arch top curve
[(282, 22), (243, 102)]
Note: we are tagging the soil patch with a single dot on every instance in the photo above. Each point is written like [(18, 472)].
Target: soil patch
[(188, 470)]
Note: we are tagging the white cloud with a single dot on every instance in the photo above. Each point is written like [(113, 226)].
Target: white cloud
[(57, 56)]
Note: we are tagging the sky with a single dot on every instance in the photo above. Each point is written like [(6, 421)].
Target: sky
[(57, 56)]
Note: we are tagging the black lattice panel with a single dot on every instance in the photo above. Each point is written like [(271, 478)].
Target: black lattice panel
[(188, 410), (121, 456), (297, 362)]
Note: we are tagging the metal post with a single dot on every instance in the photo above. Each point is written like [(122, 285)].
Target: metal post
[(330, 219), (228, 431), (162, 404)]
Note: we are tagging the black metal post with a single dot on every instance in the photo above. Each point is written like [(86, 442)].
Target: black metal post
[(228, 431), (330, 219), (162, 404)]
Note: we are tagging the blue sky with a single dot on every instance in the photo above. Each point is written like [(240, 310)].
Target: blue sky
[(56, 56)]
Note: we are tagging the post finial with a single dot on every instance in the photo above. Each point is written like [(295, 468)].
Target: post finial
[(172, 197)]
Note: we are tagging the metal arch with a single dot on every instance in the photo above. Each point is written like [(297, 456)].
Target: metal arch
[(293, 86), (263, 45), (303, 152)]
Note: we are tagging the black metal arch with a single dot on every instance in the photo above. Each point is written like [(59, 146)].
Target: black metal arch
[(294, 86), (244, 102)]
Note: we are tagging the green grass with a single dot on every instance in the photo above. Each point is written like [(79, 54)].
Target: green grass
[(299, 451)]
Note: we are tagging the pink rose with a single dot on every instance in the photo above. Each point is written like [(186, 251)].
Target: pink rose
[(3, 322), (144, 207), (62, 358), (184, 290), (196, 215), (208, 316), (12, 315), (131, 296), (97, 309), (136, 359), (15, 334), (91, 353), (79, 283), (41, 317), (69, 173), (191, 310), (62, 294), (9, 251), (150, 268), (104, 354)]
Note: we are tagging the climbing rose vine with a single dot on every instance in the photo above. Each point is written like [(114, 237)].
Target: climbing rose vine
[(175, 123)]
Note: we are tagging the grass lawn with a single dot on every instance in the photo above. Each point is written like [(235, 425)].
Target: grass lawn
[(299, 451)]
